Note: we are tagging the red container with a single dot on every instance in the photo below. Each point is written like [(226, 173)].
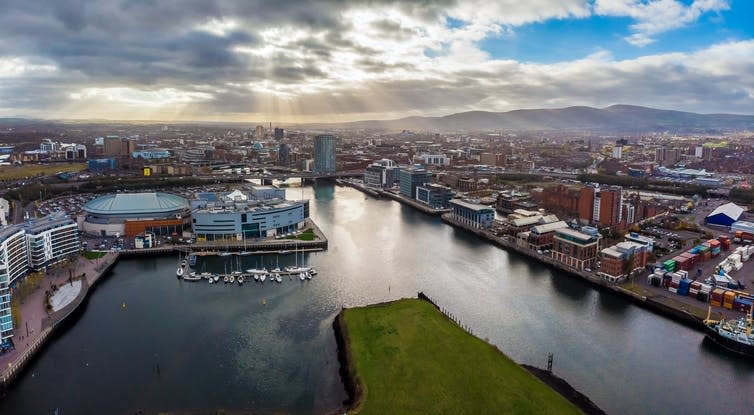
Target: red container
[(696, 285), (713, 243), (673, 284), (717, 294)]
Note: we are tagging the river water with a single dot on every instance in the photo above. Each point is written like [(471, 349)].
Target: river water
[(149, 342)]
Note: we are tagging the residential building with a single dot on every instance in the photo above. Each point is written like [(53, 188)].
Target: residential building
[(324, 153), (510, 200), (472, 214), (434, 159), (434, 195), (51, 239), (14, 262), (559, 199), (575, 249), (284, 153), (411, 178), (540, 237), (32, 245), (617, 261)]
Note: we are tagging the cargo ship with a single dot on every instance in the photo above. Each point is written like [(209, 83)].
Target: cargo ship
[(734, 335)]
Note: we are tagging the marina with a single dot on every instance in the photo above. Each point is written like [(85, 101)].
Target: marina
[(250, 350)]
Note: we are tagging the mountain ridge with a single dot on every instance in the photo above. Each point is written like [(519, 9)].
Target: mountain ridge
[(614, 118)]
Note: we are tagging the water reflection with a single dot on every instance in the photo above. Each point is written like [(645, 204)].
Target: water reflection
[(269, 348)]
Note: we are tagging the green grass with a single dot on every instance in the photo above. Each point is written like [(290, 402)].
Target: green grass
[(307, 235), (33, 170), (93, 255), (410, 359)]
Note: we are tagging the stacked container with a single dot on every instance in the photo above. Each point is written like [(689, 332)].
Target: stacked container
[(669, 265), (728, 298), (724, 242), (682, 262), (675, 282), (714, 246), (684, 286), (704, 293), (716, 298), (694, 288), (742, 304)]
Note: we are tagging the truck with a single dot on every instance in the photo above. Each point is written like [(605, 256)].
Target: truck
[(742, 237)]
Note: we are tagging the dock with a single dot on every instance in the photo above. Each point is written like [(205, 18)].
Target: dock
[(379, 193), (662, 305)]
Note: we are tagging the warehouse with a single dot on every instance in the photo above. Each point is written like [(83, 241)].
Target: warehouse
[(724, 215)]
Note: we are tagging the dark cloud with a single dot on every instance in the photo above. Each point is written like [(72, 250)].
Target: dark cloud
[(150, 45)]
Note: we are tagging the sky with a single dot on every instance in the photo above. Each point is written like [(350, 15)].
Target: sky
[(287, 61)]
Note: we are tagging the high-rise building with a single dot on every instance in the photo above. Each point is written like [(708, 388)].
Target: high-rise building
[(279, 134), (284, 154), (259, 132), (34, 245), (586, 203), (608, 206), (411, 178), (324, 153), (112, 145), (14, 262)]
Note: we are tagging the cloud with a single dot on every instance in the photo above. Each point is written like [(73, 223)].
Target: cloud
[(656, 16), (340, 60)]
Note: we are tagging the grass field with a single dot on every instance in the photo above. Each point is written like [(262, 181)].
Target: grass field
[(410, 359), (93, 255), (307, 235), (32, 170)]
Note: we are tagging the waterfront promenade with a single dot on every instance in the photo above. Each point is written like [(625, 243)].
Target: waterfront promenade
[(37, 323)]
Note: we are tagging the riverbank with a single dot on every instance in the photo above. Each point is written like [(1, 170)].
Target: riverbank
[(407, 356), (41, 323), (395, 196), (664, 306)]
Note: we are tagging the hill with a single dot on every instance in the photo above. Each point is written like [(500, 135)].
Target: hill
[(616, 118)]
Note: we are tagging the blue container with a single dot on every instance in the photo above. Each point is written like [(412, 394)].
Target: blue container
[(733, 285), (694, 250), (684, 284)]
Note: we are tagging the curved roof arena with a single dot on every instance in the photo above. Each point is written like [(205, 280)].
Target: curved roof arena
[(130, 204)]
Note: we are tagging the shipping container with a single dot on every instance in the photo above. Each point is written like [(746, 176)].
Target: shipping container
[(673, 290), (702, 296), (717, 294), (742, 304), (715, 303)]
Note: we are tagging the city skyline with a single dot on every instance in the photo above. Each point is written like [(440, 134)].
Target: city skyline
[(338, 61)]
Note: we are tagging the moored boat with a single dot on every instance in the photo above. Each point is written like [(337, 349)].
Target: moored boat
[(734, 335)]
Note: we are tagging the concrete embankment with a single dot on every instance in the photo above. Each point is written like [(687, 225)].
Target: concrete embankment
[(397, 197), (666, 310), (54, 322)]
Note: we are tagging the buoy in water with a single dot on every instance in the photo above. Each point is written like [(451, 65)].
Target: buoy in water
[(264, 301), (123, 305)]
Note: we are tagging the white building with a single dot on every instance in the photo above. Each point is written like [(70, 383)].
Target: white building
[(14, 262), (434, 159), (33, 245), (50, 239)]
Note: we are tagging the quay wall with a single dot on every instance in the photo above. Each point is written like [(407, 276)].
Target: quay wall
[(648, 303)]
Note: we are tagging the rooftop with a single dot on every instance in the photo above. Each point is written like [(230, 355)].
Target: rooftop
[(470, 205), (549, 227), (49, 222), (137, 203), (731, 210)]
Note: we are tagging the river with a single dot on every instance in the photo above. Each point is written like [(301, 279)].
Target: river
[(149, 342)]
